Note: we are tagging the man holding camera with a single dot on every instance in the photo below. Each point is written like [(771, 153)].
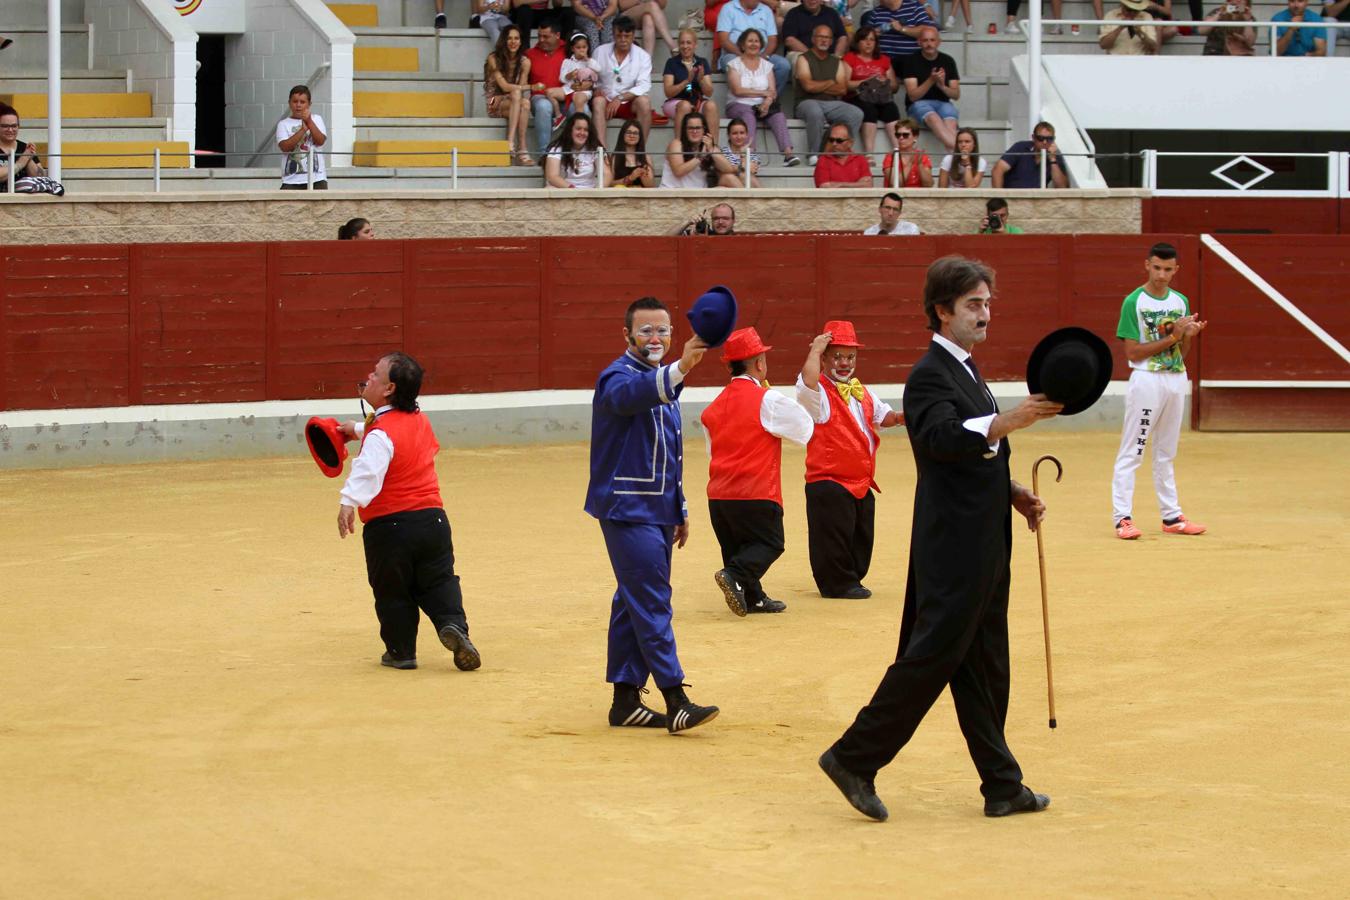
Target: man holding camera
[(720, 220), (995, 220), (1132, 37)]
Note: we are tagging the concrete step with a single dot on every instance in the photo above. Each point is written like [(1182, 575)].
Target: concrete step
[(29, 50), (83, 106), (35, 130), (81, 81)]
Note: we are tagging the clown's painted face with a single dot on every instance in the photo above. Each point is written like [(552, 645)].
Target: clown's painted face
[(840, 362)]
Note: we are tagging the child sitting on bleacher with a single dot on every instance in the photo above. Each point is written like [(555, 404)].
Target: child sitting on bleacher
[(578, 76)]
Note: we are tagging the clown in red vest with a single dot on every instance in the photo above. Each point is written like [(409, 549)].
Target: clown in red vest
[(410, 560), (841, 462), (745, 427)]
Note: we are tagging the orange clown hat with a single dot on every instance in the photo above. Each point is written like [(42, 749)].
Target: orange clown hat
[(842, 334), (326, 445), (743, 344)]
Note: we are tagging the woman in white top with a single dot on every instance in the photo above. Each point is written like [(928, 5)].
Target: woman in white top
[(964, 168), (693, 160), (571, 159), (740, 154), (752, 93)]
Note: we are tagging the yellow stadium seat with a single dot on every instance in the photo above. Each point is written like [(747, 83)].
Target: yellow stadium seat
[(356, 15), (397, 153), (385, 59), (127, 154), (407, 104), (83, 106)]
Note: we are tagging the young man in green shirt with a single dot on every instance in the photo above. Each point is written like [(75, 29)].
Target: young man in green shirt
[(1158, 329), (995, 219)]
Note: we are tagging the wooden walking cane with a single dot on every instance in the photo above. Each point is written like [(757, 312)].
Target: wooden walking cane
[(1045, 603)]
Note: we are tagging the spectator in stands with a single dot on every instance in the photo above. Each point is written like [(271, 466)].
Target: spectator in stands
[(964, 168), (932, 84), (595, 19), (800, 23), (651, 16), (822, 82), (579, 75), (625, 80), (891, 223), (1011, 26), (693, 160), (440, 22), (302, 131), (839, 166), (912, 165), (964, 6), (357, 229), (737, 16), (1229, 41), (995, 219), (529, 14), (1299, 41), (752, 92), (27, 164), (506, 83), (872, 84), (741, 153), (898, 23), (570, 161), (629, 164), (546, 58), (688, 85), (1338, 10), (1020, 166), (718, 221), (1131, 37), (490, 15)]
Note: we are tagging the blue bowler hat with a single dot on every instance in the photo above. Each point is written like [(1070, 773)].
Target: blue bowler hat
[(713, 316)]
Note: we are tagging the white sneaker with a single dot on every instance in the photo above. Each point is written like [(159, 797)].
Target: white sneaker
[(811, 161), (1011, 28), (951, 22), (1056, 29)]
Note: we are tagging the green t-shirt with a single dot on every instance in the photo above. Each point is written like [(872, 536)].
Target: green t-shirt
[(1007, 229), (1144, 318)]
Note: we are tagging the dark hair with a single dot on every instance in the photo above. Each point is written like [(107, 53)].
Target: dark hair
[(689, 154), (7, 110), (353, 227), (497, 59), (740, 41), (619, 156), (624, 24), (948, 278), (641, 303), (581, 36), (974, 153), (549, 22), (737, 367), (861, 35), (300, 89), (1163, 250), (563, 143), (1043, 124), (994, 204), (405, 374), (892, 195)]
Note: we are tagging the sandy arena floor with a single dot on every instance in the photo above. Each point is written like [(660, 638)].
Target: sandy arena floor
[(191, 705)]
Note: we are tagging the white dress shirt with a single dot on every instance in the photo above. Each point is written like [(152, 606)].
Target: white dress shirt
[(818, 405), (371, 464), (632, 76), (979, 425), (779, 416)]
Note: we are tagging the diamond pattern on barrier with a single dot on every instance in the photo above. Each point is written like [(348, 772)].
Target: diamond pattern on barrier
[(1260, 175)]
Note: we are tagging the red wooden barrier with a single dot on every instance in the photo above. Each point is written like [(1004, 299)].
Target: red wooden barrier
[(1258, 215)]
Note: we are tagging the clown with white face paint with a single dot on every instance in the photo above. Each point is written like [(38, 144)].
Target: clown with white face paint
[(841, 461)]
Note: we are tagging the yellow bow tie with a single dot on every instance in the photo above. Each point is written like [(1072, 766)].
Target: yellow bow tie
[(852, 386), (765, 383), (370, 420)]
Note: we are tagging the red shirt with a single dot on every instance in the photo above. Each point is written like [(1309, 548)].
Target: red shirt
[(546, 68), (864, 69), (847, 170), (912, 176)]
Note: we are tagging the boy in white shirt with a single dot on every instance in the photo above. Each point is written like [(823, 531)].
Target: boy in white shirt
[(296, 135)]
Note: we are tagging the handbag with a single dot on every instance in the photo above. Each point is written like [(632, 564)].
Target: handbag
[(875, 91)]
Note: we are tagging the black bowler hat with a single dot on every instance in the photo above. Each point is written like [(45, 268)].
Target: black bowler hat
[(1070, 366), (326, 445), (713, 315)]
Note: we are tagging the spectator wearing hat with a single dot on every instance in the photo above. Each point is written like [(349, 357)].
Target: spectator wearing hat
[(1299, 41), (1132, 37), (410, 558), (841, 461), (636, 490), (745, 427)]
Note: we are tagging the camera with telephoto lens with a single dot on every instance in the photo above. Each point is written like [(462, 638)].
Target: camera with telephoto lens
[(698, 225)]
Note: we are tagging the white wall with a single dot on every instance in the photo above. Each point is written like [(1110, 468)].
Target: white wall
[(286, 41), (150, 39)]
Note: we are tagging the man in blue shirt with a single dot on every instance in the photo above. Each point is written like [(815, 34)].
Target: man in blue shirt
[(737, 16), (898, 24), (1020, 165), (637, 492), (1299, 41)]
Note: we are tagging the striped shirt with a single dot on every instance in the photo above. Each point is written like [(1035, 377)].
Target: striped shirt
[(910, 14)]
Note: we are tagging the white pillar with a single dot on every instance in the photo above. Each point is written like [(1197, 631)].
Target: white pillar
[(54, 89), (1034, 66)]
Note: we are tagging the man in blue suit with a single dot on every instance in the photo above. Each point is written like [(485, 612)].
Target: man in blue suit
[(637, 492)]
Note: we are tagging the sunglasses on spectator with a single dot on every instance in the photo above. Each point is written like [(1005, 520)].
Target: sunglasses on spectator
[(1043, 137), (904, 134), (843, 140), (646, 331)]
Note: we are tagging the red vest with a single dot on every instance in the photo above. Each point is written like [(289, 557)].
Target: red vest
[(411, 481), (838, 449), (746, 461)]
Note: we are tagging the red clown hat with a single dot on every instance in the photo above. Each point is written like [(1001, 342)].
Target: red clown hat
[(743, 344), (326, 445), (842, 334)]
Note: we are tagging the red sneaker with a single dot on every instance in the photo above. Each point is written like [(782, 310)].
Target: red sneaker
[(1182, 526), (1126, 530)]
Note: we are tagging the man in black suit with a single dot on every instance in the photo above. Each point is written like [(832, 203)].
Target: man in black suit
[(954, 629)]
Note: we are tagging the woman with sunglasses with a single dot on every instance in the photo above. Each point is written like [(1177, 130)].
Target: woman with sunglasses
[(915, 168), (629, 164)]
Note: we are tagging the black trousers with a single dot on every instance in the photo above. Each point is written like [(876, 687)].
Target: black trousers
[(973, 661), (410, 563), (839, 530), (528, 19), (751, 535)]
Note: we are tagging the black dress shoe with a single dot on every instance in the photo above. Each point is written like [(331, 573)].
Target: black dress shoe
[(731, 591), (457, 642), (398, 662), (857, 593), (1025, 802), (767, 605), (856, 789)]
